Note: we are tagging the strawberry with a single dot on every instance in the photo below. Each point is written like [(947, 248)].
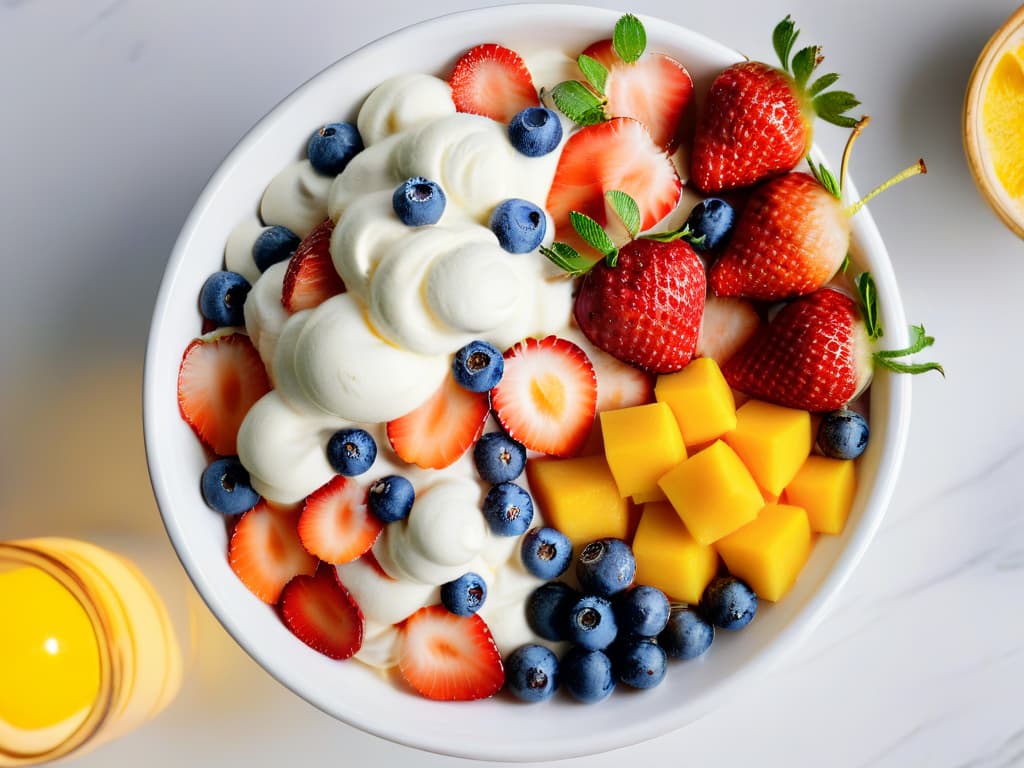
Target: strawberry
[(265, 552), (547, 397), (615, 155), (322, 614), (756, 121), (816, 354), (311, 277), (726, 325), (440, 430), (220, 378), (493, 81), (447, 657), (336, 525), (620, 385)]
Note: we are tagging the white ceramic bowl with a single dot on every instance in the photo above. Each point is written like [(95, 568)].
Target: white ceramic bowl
[(499, 728)]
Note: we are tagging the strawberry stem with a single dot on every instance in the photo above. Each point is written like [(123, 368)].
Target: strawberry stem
[(915, 169), (854, 134)]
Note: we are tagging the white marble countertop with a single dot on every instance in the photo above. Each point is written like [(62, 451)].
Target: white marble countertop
[(116, 111)]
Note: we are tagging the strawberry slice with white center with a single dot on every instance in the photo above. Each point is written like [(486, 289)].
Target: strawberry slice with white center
[(617, 154), (547, 397), (655, 89), (440, 430), (726, 325), (322, 614), (219, 380), (311, 278), (493, 81), (336, 524), (449, 658), (265, 552)]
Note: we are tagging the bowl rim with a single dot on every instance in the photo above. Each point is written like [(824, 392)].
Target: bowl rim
[(865, 233)]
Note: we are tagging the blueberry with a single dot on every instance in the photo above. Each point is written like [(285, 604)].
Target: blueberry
[(535, 131), (465, 595), (843, 434), (226, 487), (391, 498), (687, 635), (546, 552), (351, 451), (478, 366), (642, 610), (547, 609), (499, 458), (605, 566), (519, 225), (586, 675), (592, 623), (508, 509), (418, 201), (728, 603), (331, 147), (711, 219), (531, 672), (222, 298), (640, 662), (274, 244)]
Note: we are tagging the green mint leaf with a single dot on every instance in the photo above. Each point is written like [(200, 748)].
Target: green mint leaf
[(804, 62), (869, 305), (626, 209), (629, 39), (594, 71), (783, 37), (592, 116), (918, 340), (567, 258), (823, 82), (592, 233), (831, 105), (576, 101)]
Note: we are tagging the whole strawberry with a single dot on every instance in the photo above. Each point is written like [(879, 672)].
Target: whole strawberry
[(757, 118)]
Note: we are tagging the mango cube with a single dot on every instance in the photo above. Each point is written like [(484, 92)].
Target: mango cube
[(824, 488), (641, 444), (656, 494), (668, 557), (769, 553), (712, 492), (701, 400), (579, 497), (773, 442)]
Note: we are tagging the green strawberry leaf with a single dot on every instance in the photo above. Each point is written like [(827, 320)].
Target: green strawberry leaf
[(825, 178), (594, 235), (626, 209), (783, 37), (578, 103), (683, 233), (823, 82), (886, 358), (630, 38), (831, 105), (804, 62), (568, 258), (869, 304), (594, 71)]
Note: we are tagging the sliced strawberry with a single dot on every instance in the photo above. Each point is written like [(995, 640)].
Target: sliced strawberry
[(547, 397), (449, 658), (336, 525), (655, 89), (265, 551), (617, 154), (311, 278), (219, 380), (726, 326), (620, 385), (322, 614), (492, 80), (440, 430)]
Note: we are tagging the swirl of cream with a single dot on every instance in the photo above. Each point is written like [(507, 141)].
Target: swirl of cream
[(265, 316), (402, 102), (296, 198)]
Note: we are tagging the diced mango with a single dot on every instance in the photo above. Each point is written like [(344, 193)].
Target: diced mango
[(579, 497), (641, 444), (773, 442), (656, 494), (712, 492), (701, 400), (668, 557), (824, 488), (769, 552)]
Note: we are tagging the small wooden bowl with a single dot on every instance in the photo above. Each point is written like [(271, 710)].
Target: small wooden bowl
[(975, 146)]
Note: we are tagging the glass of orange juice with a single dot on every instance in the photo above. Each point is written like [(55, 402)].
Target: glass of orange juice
[(87, 649)]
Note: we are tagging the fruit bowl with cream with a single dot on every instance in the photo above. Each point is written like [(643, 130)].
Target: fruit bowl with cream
[(345, 374)]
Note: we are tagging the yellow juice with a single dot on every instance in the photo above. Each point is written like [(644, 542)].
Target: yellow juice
[(87, 649)]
